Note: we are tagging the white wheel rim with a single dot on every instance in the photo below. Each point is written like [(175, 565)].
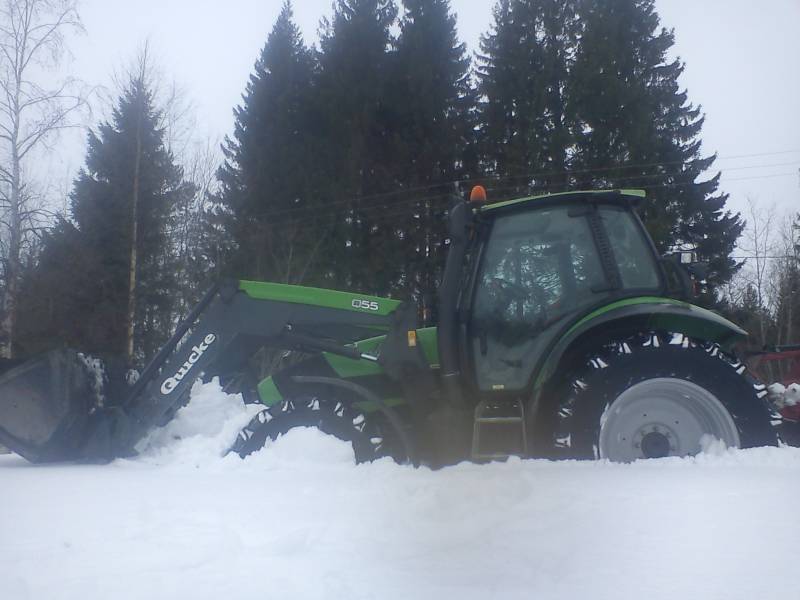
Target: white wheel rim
[(663, 417)]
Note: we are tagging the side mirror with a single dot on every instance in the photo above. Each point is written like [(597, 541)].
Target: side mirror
[(679, 283), (684, 272), (698, 270)]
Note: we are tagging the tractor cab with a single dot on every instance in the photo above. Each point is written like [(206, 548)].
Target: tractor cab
[(539, 264)]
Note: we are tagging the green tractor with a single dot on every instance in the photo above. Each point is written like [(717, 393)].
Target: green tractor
[(562, 333)]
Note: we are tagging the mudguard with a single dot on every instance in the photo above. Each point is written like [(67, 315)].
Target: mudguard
[(633, 315)]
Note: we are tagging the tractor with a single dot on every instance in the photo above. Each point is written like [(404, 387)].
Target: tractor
[(561, 333)]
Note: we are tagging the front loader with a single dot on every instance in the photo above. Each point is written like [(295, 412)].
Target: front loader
[(561, 333)]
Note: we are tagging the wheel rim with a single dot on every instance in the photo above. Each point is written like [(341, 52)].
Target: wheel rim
[(663, 417)]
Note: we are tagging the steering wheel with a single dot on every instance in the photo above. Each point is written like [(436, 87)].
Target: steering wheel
[(514, 291), (511, 290)]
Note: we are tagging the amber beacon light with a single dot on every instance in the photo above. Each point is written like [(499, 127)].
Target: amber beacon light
[(478, 194)]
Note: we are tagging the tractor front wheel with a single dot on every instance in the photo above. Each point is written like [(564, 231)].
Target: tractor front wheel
[(329, 416), (662, 395)]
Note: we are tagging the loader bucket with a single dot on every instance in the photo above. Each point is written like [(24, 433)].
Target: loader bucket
[(45, 407)]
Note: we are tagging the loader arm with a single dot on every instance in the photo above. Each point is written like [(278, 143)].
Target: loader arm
[(232, 321)]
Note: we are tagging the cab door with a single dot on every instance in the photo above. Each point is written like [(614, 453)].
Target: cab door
[(537, 267)]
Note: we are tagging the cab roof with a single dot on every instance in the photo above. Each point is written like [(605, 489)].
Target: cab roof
[(634, 196)]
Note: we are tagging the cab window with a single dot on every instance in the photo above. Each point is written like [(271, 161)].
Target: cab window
[(632, 251)]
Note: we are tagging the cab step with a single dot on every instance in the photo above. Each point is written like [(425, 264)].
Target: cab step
[(499, 430)]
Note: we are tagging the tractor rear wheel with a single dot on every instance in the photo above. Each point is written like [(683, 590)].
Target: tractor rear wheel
[(662, 395), (329, 416)]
